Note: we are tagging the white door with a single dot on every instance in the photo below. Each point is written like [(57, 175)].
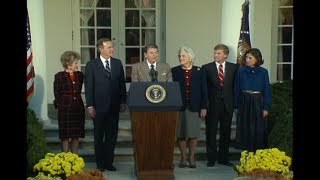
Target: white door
[(130, 24)]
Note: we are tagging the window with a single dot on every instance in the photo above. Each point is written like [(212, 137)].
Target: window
[(285, 41), (130, 24)]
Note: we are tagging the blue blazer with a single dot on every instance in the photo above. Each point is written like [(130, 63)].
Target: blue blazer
[(198, 88), (102, 93)]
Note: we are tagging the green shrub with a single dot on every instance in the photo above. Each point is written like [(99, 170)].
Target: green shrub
[(281, 134), (280, 117), (37, 146)]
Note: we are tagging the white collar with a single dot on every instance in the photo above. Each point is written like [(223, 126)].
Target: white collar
[(149, 64), (223, 64), (104, 59)]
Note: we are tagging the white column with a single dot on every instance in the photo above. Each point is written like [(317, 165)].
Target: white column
[(231, 24), (39, 101)]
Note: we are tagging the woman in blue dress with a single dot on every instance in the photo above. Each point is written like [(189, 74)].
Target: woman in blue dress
[(252, 102)]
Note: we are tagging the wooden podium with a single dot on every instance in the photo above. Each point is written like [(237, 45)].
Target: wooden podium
[(154, 120)]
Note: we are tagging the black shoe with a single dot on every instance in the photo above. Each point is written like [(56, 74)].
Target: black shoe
[(227, 163), (111, 168), (210, 164), (100, 169)]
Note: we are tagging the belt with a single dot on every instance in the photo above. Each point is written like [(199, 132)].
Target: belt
[(251, 92)]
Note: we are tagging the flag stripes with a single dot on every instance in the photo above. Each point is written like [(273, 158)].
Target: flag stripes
[(30, 70)]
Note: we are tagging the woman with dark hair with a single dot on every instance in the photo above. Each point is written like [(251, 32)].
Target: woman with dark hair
[(252, 102)]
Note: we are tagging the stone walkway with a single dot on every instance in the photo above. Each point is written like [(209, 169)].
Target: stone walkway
[(125, 171)]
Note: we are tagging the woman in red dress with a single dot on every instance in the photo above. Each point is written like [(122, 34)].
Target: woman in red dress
[(68, 101)]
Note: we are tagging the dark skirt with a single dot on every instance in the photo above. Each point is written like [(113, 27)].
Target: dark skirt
[(71, 122), (251, 133)]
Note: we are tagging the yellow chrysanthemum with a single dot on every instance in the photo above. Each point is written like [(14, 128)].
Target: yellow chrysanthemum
[(267, 159), (60, 164)]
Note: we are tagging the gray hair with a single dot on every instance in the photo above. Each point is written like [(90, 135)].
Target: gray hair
[(187, 50)]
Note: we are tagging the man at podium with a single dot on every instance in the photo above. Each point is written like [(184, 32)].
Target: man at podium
[(150, 70)]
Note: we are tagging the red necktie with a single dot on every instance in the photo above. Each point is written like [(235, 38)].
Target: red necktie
[(221, 75)]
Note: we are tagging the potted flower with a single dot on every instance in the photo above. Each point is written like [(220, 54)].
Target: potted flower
[(264, 164), (59, 165)]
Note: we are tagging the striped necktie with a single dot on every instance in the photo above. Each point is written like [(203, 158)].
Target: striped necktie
[(153, 74), (108, 68), (221, 75)]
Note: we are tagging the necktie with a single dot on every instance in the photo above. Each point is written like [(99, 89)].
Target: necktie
[(153, 74), (108, 68), (221, 75)]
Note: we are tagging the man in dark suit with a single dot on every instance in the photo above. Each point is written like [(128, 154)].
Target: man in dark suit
[(220, 77), (105, 93)]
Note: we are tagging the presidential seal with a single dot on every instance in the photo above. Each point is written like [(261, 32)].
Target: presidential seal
[(155, 93)]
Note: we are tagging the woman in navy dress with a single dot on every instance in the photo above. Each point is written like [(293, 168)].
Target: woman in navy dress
[(253, 101), (194, 95), (68, 101)]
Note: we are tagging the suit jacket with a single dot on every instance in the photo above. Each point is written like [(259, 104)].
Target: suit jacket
[(140, 72), (198, 88), (68, 94), (215, 91), (101, 92)]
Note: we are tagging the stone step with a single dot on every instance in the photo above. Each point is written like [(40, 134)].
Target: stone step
[(126, 154), (124, 134)]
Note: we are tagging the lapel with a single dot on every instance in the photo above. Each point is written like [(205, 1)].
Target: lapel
[(145, 70), (226, 74), (100, 67), (180, 75), (113, 66), (214, 73)]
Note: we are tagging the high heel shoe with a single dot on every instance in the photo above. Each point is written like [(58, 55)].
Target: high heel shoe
[(182, 164), (192, 165)]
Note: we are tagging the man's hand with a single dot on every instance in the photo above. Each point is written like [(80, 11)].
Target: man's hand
[(203, 113), (122, 107), (92, 111)]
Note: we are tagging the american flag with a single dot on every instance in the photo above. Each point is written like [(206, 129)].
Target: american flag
[(30, 70), (244, 40)]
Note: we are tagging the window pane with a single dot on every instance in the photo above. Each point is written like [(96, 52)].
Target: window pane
[(104, 18), (283, 72), (87, 37), (284, 53), (103, 33), (131, 4), (86, 17), (132, 18), (285, 16), (148, 18), (286, 3), (148, 3), (104, 3), (284, 35), (148, 36), (86, 3), (132, 37), (87, 54), (132, 55), (128, 73)]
